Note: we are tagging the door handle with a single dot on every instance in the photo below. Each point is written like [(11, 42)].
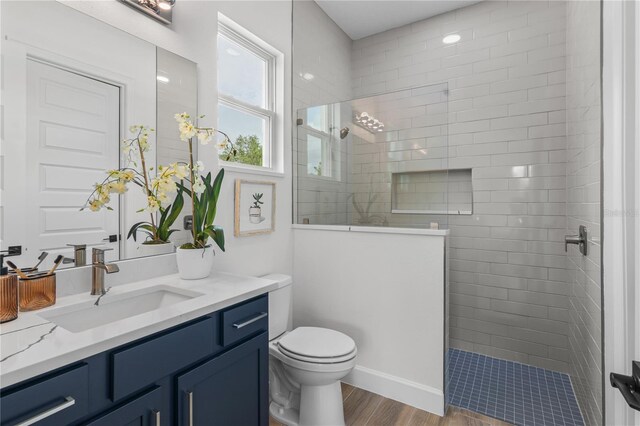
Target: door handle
[(580, 240), (629, 386), (156, 414), (190, 408)]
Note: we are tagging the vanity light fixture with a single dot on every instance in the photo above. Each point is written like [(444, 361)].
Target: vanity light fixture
[(158, 9), (166, 4), (369, 122), (451, 38)]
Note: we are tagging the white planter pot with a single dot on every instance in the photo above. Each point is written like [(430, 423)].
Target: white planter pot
[(255, 215), (194, 264), (154, 249)]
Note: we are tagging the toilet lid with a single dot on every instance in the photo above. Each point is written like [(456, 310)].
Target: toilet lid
[(317, 342)]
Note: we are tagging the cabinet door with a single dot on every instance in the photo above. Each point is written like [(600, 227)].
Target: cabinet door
[(145, 410), (229, 390)]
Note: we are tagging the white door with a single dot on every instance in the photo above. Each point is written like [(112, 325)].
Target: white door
[(72, 139)]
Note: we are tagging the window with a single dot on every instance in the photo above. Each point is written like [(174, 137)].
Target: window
[(246, 95), (323, 147)]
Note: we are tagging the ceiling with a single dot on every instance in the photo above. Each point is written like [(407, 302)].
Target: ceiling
[(362, 18)]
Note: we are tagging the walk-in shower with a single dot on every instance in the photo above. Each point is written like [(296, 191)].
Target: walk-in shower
[(494, 135)]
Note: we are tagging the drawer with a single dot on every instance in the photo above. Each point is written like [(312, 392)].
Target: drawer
[(54, 400), (142, 364), (244, 320)]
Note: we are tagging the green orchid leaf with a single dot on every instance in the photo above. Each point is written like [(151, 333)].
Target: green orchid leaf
[(134, 229), (219, 237)]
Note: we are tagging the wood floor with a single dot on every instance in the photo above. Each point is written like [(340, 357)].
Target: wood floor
[(365, 408)]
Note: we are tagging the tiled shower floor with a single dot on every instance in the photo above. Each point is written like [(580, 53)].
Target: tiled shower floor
[(510, 391)]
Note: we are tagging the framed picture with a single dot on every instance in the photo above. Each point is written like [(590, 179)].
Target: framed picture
[(255, 208)]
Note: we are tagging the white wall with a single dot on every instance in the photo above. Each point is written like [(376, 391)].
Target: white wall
[(193, 36), (386, 291), (506, 115)]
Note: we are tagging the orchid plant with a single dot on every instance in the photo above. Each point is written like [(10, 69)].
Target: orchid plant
[(203, 191), (157, 189)]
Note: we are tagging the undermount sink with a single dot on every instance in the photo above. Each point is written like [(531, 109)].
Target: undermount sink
[(110, 308)]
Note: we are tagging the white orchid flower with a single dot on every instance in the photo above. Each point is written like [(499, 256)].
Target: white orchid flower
[(204, 136), (198, 186)]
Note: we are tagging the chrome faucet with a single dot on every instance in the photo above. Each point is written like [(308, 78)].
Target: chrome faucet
[(98, 268)]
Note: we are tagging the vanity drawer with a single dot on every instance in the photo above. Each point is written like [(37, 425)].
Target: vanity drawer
[(55, 400), (144, 363), (244, 320)]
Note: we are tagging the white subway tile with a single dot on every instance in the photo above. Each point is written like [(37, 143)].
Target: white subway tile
[(499, 135)]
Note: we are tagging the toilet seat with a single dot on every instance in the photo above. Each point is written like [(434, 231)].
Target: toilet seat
[(317, 345), (317, 360)]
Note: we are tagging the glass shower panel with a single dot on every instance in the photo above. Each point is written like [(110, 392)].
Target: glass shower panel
[(379, 161)]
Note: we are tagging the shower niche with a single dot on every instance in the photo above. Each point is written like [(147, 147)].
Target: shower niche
[(441, 192)]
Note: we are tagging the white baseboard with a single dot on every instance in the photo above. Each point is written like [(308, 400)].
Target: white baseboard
[(411, 393)]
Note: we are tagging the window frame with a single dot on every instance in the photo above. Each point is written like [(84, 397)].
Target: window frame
[(330, 141), (238, 35)]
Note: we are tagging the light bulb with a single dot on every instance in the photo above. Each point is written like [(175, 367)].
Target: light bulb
[(451, 38)]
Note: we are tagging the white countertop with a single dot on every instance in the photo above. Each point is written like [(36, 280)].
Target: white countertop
[(31, 345)]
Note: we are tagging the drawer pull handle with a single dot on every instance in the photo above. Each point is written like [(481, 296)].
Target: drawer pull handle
[(190, 402), (251, 321), (48, 413), (156, 413)]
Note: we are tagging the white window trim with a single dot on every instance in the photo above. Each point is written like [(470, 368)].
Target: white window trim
[(326, 141), (330, 138), (273, 152)]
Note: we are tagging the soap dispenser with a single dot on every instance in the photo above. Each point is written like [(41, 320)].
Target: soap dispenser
[(8, 293)]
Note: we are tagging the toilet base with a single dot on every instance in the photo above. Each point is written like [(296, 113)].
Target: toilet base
[(286, 416), (321, 405)]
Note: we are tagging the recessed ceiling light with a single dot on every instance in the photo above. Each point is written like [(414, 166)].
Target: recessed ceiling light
[(162, 79), (233, 52), (451, 38), (308, 76)]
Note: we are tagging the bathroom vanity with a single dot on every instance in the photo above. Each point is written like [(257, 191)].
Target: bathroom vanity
[(193, 353)]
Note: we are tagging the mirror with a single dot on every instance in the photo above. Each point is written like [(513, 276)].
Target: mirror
[(72, 88)]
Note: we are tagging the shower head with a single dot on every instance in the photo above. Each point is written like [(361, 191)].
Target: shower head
[(344, 132)]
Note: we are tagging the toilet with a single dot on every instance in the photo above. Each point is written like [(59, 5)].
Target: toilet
[(305, 366)]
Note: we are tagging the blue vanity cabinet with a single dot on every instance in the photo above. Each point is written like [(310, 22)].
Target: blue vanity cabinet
[(55, 399), (231, 388), (146, 409), (212, 370)]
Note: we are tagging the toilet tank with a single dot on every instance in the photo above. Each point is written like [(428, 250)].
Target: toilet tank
[(279, 305)]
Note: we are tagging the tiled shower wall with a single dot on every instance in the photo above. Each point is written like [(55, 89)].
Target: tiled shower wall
[(509, 296), (583, 204)]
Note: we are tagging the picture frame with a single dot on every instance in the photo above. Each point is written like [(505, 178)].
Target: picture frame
[(255, 208)]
